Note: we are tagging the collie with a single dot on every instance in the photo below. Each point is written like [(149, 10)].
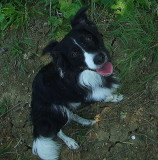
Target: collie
[(81, 71)]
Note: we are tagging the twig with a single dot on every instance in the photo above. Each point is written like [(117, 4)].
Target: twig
[(104, 119), (7, 153), (148, 138), (149, 122), (126, 142), (18, 143), (114, 156)]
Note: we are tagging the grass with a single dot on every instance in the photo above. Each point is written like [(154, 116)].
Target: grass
[(17, 54), (4, 105), (5, 151), (134, 28), (139, 42), (16, 14), (137, 47)]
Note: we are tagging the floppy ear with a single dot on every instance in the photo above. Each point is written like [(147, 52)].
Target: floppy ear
[(49, 48), (60, 63), (58, 59), (80, 17)]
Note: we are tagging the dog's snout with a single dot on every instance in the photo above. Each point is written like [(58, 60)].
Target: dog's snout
[(99, 59)]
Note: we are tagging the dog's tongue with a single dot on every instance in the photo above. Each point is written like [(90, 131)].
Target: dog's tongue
[(107, 69)]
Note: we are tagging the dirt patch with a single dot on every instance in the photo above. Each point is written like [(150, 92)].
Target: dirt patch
[(127, 130)]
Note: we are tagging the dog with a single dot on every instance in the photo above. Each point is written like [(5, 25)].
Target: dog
[(81, 72)]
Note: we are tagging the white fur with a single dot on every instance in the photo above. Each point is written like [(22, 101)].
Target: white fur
[(82, 121), (74, 105), (89, 57), (90, 79), (74, 117), (116, 98), (71, 143), (61, 73), (46, 148), (78, 45), (94, 81), (100, 94)]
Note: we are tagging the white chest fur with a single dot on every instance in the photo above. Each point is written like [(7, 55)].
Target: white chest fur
[(90, 79), (94, 82)]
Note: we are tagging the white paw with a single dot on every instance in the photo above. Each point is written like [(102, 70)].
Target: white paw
[(72, 144), (93, 122), (89, 123), (117, 98)]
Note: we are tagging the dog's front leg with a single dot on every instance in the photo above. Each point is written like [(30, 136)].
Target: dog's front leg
[(114, 98), (104, 95)]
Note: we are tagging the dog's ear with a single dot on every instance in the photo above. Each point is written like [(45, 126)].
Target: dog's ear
[(60, 63), (80, 17), (49, 48)]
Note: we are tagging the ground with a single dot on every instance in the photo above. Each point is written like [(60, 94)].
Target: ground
[(126, 131)]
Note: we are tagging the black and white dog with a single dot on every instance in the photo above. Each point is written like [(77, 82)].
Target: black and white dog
[(81, 72)]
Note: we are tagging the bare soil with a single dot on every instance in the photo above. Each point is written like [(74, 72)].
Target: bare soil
[(126, 131)]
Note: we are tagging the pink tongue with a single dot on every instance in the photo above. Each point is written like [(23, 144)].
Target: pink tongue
[(106, 69)]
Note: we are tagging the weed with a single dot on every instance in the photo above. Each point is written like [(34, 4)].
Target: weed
[(4, 105), (132, 23), (134, 26), (61, 13), (5, 151), (17, 56), (17, 53), (16, 14), (149, 78)]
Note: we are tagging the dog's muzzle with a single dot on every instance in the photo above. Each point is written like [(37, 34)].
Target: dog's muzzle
[(99, 59)]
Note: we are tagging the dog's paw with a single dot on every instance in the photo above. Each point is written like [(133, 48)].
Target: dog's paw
[(72, 144), (117, 98), (93, 122), (89, 122)]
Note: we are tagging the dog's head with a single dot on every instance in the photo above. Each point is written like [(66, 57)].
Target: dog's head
[(82, 48)]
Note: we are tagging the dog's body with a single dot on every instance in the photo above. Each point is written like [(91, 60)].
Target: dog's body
[(81, 72)]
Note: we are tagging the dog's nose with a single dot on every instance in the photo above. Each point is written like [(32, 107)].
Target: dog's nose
[(99, 58)]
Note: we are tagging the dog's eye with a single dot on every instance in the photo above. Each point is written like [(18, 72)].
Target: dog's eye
[(75, 52), (89, 37)]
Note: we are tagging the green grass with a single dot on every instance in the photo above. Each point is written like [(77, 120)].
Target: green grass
[(132, 23), (139, 41), (16, 13), (4, 105), (6, 151), (17, 55), (135, 30), (19, 52)]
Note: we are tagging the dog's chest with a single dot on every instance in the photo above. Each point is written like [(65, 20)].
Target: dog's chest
[(90, 79)]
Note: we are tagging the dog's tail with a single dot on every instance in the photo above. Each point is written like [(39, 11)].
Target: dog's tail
[(46, 148)]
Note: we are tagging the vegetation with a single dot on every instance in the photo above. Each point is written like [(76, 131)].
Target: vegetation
[(133, 24), (135, 27)]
